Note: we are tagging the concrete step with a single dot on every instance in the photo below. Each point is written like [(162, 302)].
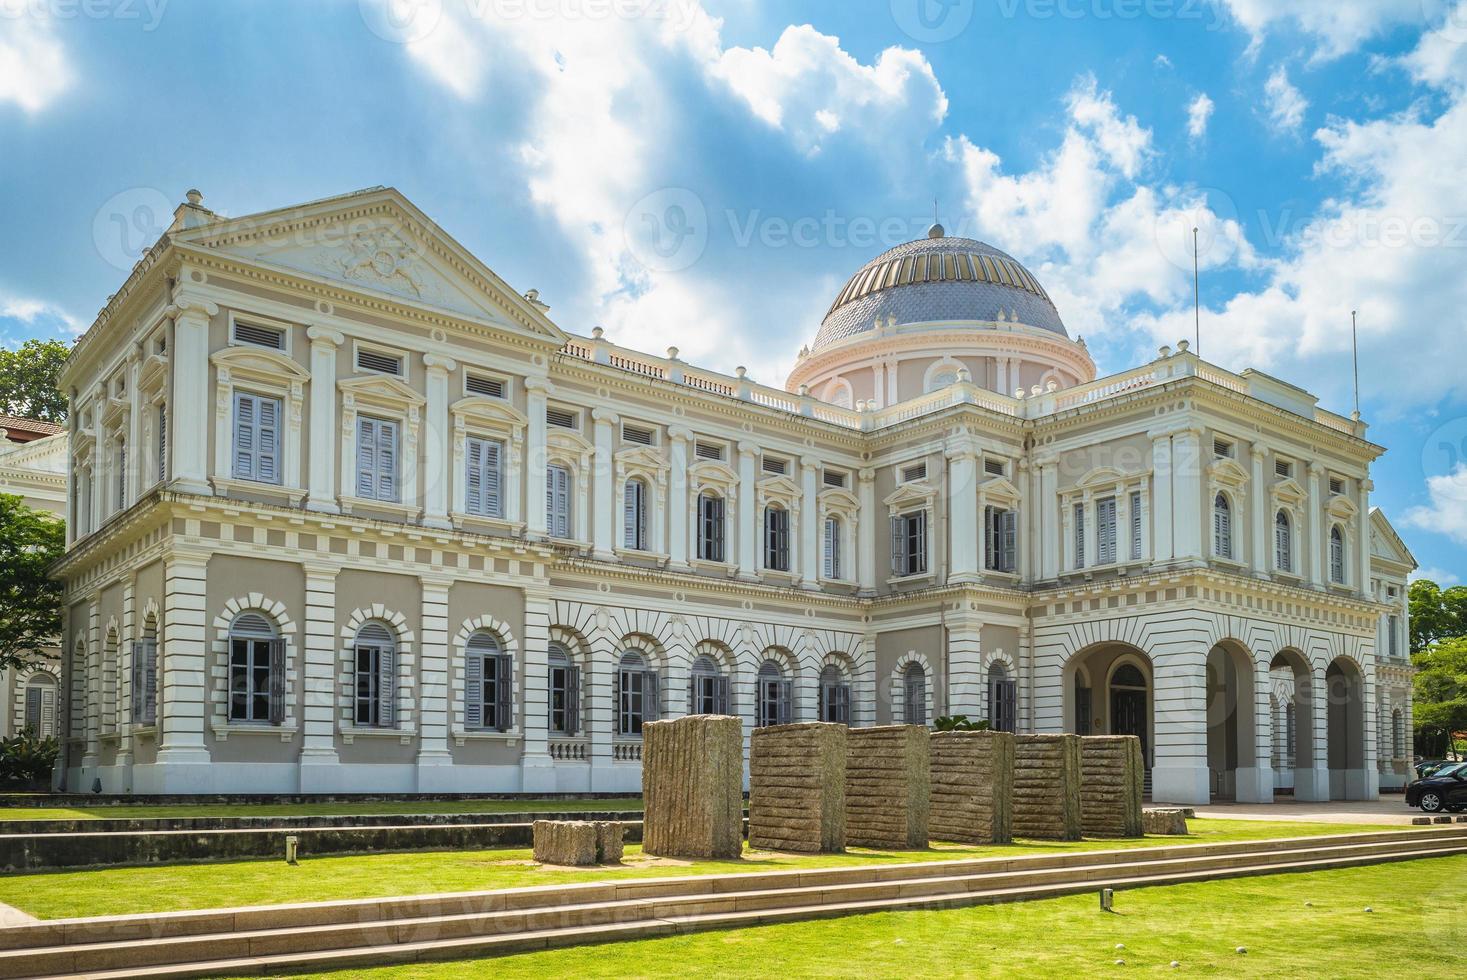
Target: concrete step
[(481, 945), (62, 947)]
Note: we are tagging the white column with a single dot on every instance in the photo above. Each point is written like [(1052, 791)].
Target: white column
[(1179, 772), (321, 468), (1028, 484), (1047, 518), (1362, 578), (537, 515), (136, 455), (1161, 497), (878, 383), (868, 521), (435, 760), (1258, 494), (965, 515), (1187, 494), (810, 530), (604, 489), (182, 759), (965, 681), (1001, 375), (319, 643), (537, 770), (189, 414), (1311, 775), (748, 512), (677, 497), (1316, 544), (101, 496), (436, 429), (1255, 782)]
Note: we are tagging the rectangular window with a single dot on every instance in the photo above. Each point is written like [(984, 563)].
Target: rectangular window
[(565, 699), (833, 478), (477, 384), (1336, 486), (484, 477), (835, 702), (1393, 641), (256, 438), (162, 443), (708, 694), (1222, 449), (777, 539), (121, 464), (1105, 524), (993, 467), (1001, 549), (488, 691), (634, 516), (775, 698), (562, 418), (145, 681), (909, 544), (832, 548), (1283, 468), (376, 686), (710, 528), (258, 336), (708, 450), (1136, 525), (377, 459), (256, 680), (378, 362), (637, 434), (636, 700), (558, 501), (771, 464), (911, 473), (1079, 535)]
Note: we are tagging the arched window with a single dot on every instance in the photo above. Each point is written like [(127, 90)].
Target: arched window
[(708, 688), (40, 706), (1283, 543), (774, 696), (1337, 555), (558, 501), (835, 695), (1128, 675), (636, 694), (1398, 734), (144, 675), (776, 538), (256, 671), (1003, 699), (634, 515), (914, 694), (488, 684), (375, 655), (1222, 527), (710, 527), (565, 692), (942, 378), (832, 547)]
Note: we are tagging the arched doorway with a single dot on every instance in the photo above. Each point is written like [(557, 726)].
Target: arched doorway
[(1232, 748), (1108, 691), (1308, 781), (1344, 684)]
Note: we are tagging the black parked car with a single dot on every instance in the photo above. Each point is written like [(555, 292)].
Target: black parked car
[(1445, 789)]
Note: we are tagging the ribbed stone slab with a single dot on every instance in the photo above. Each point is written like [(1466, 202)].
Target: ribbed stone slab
[(797, 787), (888, 786), (1164, 821), (1111, 781), (1047, 787), (972, 787), (568, 842), (692, 787)]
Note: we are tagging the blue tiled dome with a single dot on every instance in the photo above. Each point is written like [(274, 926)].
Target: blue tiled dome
[(936, 279)]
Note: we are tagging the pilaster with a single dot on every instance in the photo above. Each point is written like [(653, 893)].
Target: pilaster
[(537, 513), (1187, 494), (189, 359), (810, 544), (604, 492), (435, 763), (319, 645), (1260, 522), (1162, 546), (748, 512), (321, 468), (963, 506), (866, 529), (183, 759), (678, 505), (537, 768), (437, 428), (1316, 546)]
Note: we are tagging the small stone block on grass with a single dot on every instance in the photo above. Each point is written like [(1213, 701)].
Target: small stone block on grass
[(972, 787), (1047, 787), (888, 786), (1421, 821), (1111, 781), (565, 842), (610, 841), (692, 787), (1164, 822), (797, 788)]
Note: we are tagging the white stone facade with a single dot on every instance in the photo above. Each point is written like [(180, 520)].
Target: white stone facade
[(349, 514)]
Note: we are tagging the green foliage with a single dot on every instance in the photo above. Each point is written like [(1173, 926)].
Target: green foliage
[(28, 377), (30, 600), (1436, 613), (959, 723), (1440, 695), (26, 758)]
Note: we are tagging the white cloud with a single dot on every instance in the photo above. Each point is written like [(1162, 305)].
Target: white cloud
[(34, 69), (1285, 103), (1440, 576), (1199, 111), (1340, 27), (1440, 56), (1447, 512), (34, 312)]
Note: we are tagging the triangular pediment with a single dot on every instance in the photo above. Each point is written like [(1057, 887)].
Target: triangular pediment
[(1000, 486), (1101, 476), (917, 490), (1385, 543), (712, 472), (378, 242), (1227, 471), (1288, 489), (380, 388), (259, 363), (775, 485), (640, 456)]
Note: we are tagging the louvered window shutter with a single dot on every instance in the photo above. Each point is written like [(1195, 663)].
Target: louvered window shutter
[(48, 713), (1079, 535), (1105, 516), (277, 681), (786, 702), (387, 461), (244, 437), (503, 693), (557, 501), (121, 475), (572, 700), (267, 458), (632, 515), (721, 704), (162, 442), (898, 548), (136, 687), (150, 681), (1009, 531), (366, 458), (1136, 526), (651, 705), (386, 686), (920, 545), (493, 497), (990, 544), (474, 477), (829, 563), (473, 689)]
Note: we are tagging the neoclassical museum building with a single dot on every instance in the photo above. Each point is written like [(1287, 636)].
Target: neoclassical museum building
[(349, 513)]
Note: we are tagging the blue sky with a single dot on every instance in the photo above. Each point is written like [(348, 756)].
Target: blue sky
[(1320, 147)]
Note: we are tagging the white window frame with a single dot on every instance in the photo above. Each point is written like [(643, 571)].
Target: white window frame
[(1080, 540), (286, 328), (255, 474), (842, 505), (496, 420), (487, 500)]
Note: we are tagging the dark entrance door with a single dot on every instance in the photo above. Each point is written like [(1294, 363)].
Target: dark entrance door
[(1128, 717)]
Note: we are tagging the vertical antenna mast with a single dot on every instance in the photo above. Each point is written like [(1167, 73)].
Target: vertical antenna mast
[(1355, 352), (1196, 298)]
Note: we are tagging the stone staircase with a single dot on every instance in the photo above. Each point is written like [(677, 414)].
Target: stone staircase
[(329, 935)]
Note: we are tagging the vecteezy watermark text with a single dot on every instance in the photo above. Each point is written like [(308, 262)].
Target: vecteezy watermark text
[(148, 12)]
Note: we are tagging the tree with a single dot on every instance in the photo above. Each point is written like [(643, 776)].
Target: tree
[(1441, 695), (28, 378), (1436, 613), (30, 600)]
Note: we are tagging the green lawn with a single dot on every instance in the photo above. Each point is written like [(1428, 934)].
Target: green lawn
[(1418, 928), (123, 812), (118, 891)]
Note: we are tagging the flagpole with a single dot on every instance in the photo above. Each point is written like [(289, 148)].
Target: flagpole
[(1196, 298), (1355, 352)]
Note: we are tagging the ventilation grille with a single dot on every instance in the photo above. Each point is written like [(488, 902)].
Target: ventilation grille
[(1283, 468), (708, 450), (833, 479), (563, 419), (371, 360), (249, 333), (488, 387), (993, 467), (636, 434), (918, 472), (776, 466)]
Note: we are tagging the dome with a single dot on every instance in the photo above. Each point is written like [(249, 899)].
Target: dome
[(935, 279)]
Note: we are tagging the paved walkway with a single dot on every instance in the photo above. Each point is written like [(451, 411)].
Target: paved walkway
[(1389, 809), (11, 916)]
